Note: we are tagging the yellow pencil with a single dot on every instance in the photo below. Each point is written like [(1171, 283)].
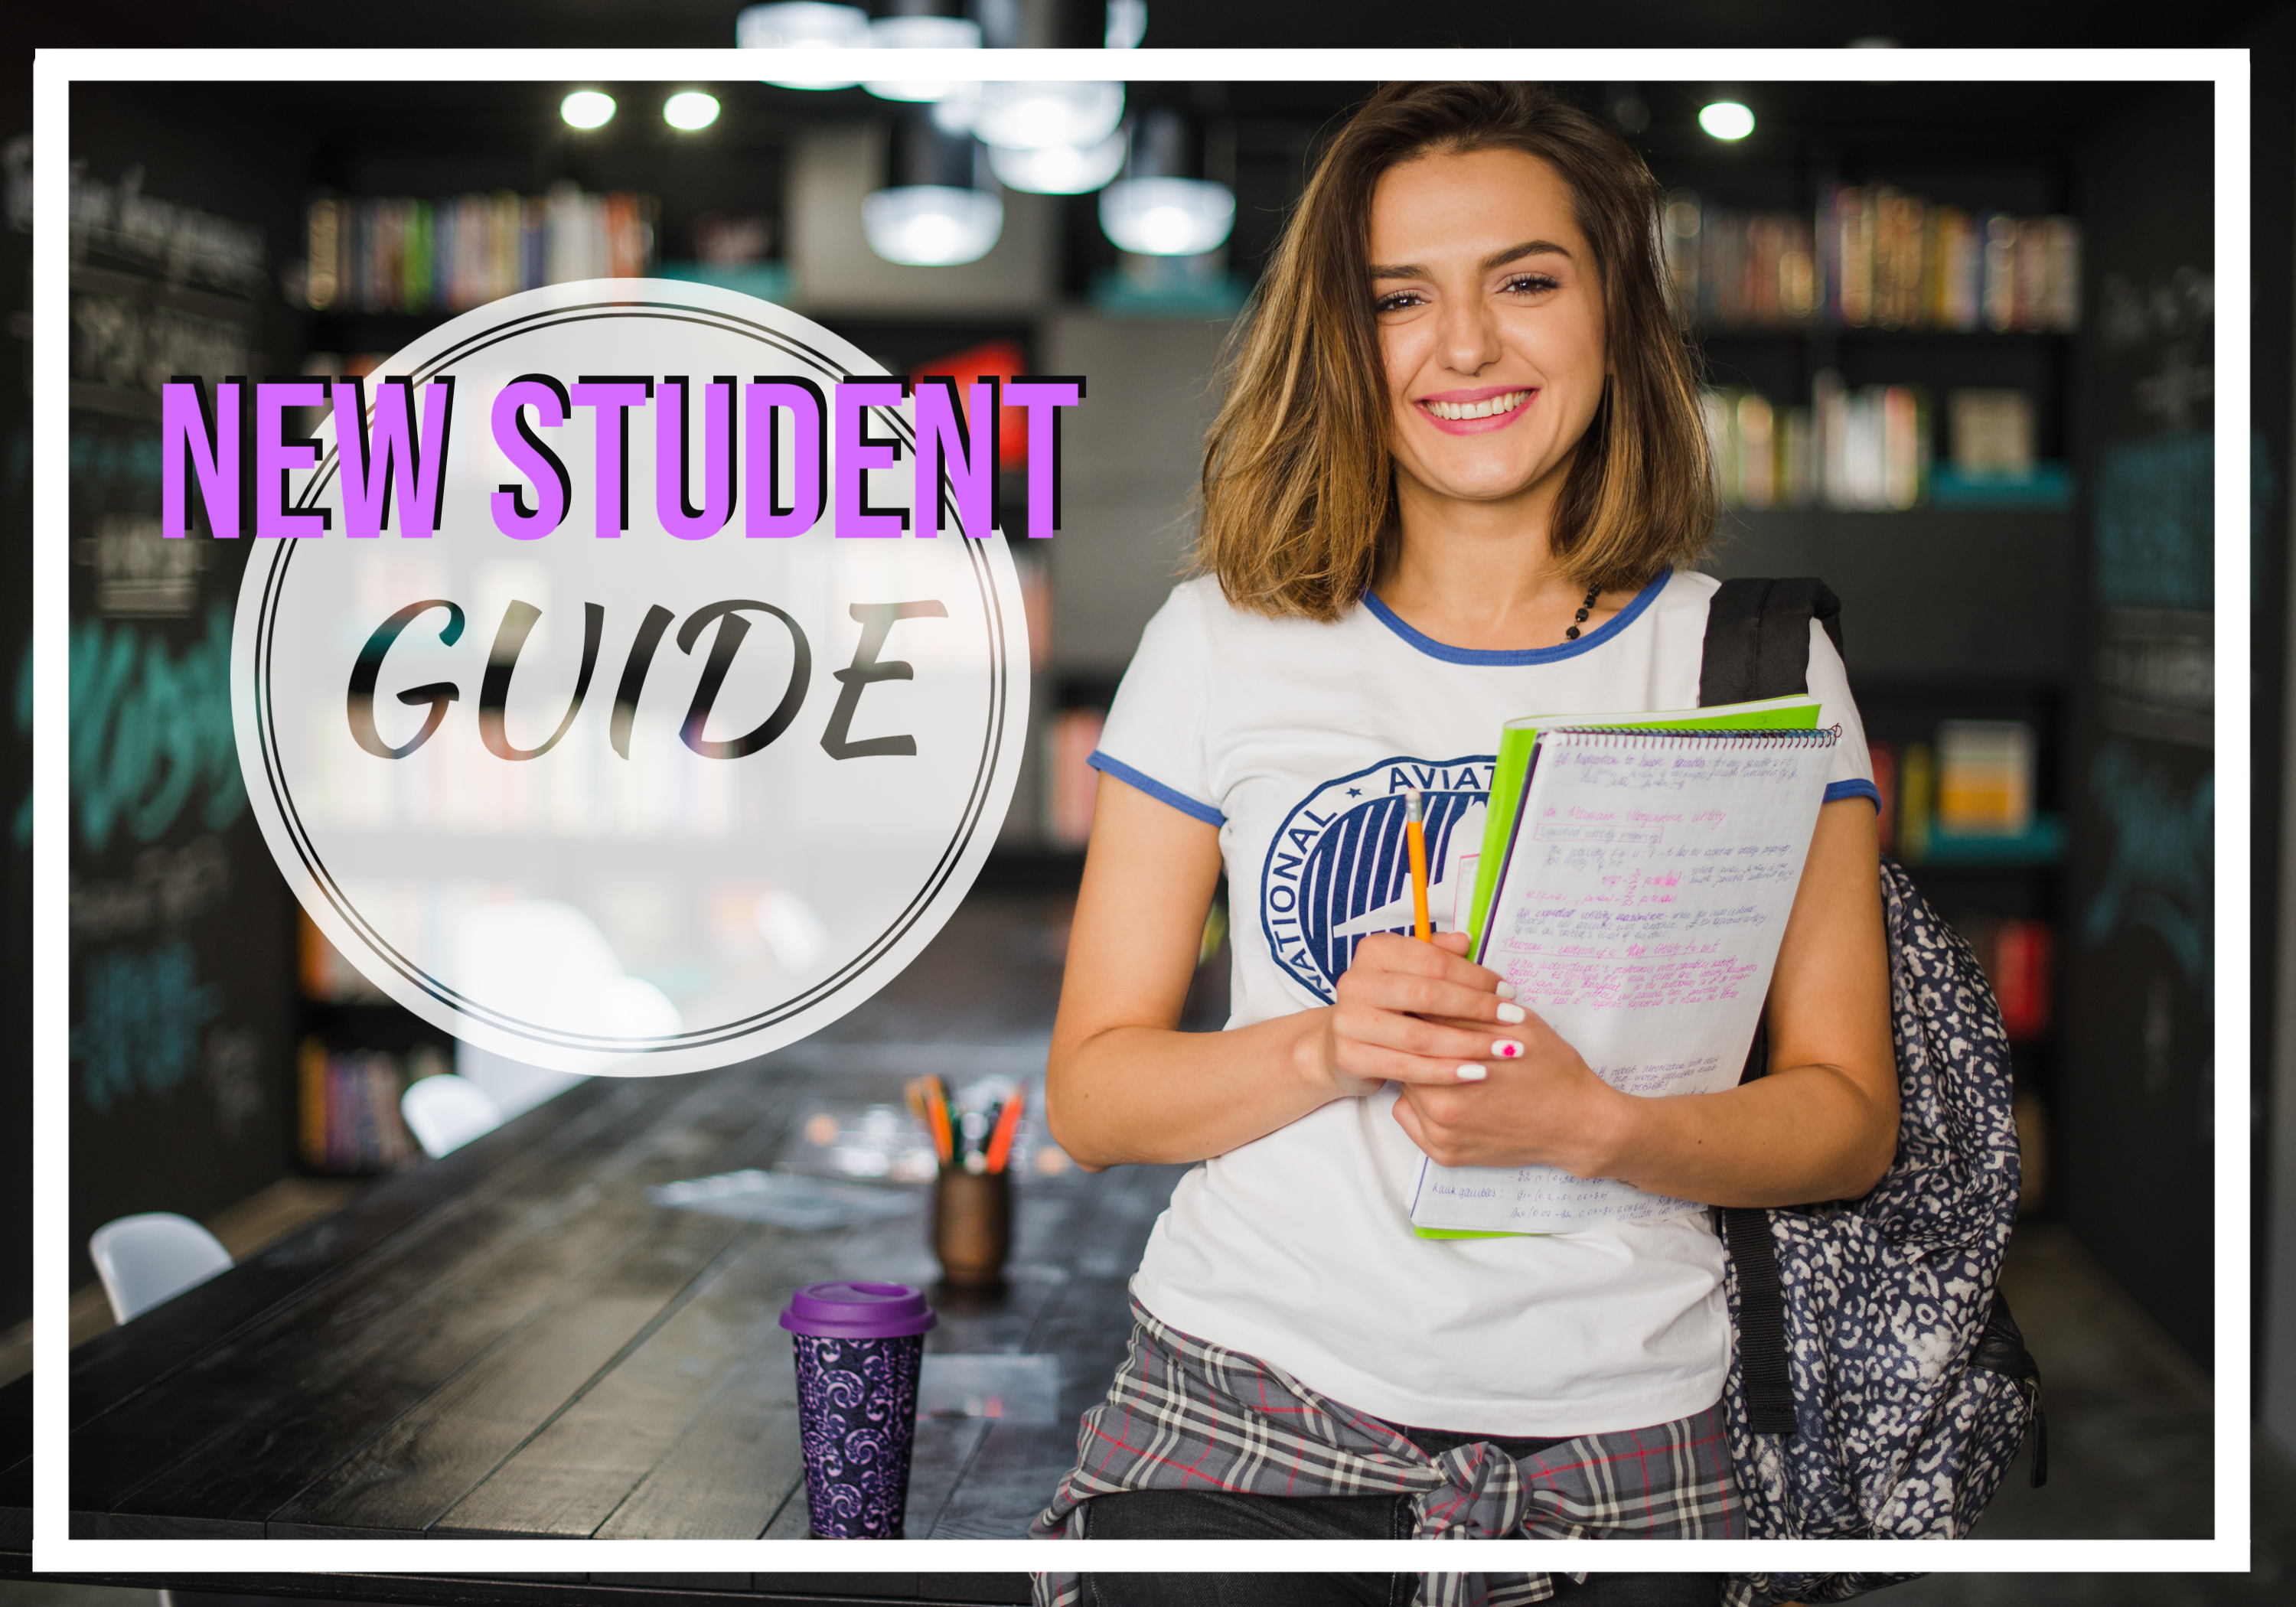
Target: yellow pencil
[(1414, 829)]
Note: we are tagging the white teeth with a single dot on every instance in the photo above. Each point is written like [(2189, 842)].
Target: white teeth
[(1484, 409)]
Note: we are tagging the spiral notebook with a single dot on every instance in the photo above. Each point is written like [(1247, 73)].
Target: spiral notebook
[(1637, 909)]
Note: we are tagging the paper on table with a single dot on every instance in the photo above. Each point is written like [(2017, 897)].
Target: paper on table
[(1011, 1389), (1638, 914)]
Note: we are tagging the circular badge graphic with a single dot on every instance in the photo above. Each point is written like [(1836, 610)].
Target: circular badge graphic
[(669, 780), (1339, 869)]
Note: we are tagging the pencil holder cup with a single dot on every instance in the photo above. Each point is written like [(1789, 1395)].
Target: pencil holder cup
[(973, 1226)]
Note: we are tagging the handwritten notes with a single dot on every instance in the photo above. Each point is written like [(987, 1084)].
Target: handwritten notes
[(1638, 914)]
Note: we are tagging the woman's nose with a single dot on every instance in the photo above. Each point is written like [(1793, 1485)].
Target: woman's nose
[(1470, 338)]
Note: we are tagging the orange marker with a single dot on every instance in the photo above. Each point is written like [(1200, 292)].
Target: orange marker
[(1000, 1141), (1414, 828), (937, 1115)]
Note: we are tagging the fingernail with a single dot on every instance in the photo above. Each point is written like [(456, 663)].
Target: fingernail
[(1512, 1013), (1506, 1048), (1473, 1074), (1507, 991)]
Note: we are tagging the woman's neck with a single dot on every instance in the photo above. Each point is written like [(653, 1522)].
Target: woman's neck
[(1482, 574)]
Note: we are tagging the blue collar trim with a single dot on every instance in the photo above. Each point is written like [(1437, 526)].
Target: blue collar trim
[(1433, 648)]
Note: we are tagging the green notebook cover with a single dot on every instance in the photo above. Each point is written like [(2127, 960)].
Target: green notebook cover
[(1517, 738)]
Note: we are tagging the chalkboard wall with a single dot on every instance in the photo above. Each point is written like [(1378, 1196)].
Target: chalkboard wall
[(2136, 1161), (182, 974), (16, 749)]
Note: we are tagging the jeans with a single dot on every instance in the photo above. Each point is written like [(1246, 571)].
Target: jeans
[(1216, 1515)]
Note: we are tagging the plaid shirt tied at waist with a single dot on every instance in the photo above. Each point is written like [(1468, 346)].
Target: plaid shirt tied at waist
[(1185, 1415)]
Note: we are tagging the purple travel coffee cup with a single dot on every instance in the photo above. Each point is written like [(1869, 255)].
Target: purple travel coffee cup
[(859, 1347)]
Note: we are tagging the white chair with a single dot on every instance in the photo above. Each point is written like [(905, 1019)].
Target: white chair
[(445, 1113), (153, 1257), (541, 960)]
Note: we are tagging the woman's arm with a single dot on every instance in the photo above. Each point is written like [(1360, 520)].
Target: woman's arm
[(1124, 1085), (1821, 1125)]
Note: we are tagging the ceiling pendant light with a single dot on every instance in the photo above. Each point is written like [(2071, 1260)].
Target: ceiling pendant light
[(931, 226), (797, 26), (1059, 169), (1167, 216), (1160, 207), (1030, 116), (919, 33), (934, 210)]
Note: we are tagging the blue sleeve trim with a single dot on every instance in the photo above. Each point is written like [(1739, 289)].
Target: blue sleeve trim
[(1836, 791), (1157, 789)]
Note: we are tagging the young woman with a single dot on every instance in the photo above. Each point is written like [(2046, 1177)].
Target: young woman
[(1457, 474)]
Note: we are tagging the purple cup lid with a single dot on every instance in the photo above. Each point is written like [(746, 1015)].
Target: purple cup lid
[(851, 1310)]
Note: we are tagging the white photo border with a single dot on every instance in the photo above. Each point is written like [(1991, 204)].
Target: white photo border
[(54, 1551)]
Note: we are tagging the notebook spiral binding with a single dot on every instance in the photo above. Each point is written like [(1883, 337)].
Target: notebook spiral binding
[(1643, 736)]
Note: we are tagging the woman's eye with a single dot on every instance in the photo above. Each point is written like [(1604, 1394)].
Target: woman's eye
[(1395, 300), (1531, 284)]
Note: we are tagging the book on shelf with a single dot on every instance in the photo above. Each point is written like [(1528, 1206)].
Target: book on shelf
[(398, 254), (1991, 431), (1969, 797), (2015, 956), (348, 1117), (1985, 777), (325, 975), (1739, 269), (1865, 448), (1872, 257), (1916, 789), (2021, 977)]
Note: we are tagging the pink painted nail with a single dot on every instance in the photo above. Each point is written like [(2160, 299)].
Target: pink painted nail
[(1506, 1048), (1473, 1074)]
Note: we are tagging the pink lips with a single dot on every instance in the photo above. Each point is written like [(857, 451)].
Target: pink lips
[(1481, 393)]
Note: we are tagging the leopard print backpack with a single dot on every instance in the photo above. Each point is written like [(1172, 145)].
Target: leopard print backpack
[(1879, 1387)]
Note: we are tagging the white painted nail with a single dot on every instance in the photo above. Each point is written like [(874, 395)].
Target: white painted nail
[(1473, 1074), (1506, 1048), (1512, 1013), (1507, 991)]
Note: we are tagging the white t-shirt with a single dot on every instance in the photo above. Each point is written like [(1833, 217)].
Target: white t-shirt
[(1296, 739)]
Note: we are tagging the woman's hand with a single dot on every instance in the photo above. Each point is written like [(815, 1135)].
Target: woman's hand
[(1543, 1106), (1484, 1082), (1821, 1126), (1417, 1013)]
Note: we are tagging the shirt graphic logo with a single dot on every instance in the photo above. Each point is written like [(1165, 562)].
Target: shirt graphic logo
[(1340, 869)]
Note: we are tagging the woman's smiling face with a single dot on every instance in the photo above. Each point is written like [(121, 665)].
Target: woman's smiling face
[(1490, 323)]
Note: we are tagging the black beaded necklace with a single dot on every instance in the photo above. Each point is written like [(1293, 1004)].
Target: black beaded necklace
[(1585, 608)]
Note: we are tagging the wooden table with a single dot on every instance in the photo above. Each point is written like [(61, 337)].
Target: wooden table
[(514, 1341)]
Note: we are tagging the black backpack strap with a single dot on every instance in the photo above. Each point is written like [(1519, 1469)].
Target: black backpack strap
[(1761, 1323), (1758, 646), (1757, 638)]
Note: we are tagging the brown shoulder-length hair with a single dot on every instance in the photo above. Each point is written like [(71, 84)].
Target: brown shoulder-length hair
[(1299, 492)]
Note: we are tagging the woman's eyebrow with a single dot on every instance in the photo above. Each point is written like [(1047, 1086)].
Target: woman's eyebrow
[(1529, 248)]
